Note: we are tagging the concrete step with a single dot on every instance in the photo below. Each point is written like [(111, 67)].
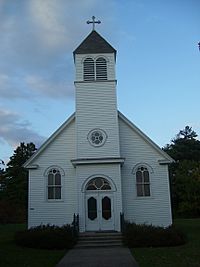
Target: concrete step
[(102, 245), (100, 239), (100, 234)]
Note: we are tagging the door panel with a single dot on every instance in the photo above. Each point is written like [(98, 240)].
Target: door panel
[(99, 211), (106, 208), (92, 214), (92, 208), (107, 212)]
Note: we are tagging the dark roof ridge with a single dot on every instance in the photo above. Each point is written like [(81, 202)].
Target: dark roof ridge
[(94, 43)]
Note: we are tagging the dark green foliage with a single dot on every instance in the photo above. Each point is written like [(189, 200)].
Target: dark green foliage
[(185, 173), (184, 146), (10, 212), (14, 185), (13, 255), (143, 235), (180, 256), (186, 188), (46, 237)]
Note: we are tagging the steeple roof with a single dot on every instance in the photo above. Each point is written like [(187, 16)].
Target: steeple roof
[(94, 43)]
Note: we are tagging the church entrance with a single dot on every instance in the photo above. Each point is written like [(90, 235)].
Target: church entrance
[(99, 205)]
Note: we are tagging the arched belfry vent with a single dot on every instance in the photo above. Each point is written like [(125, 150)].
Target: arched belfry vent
[(101, 69), (88, 69), (94, 43), (95, 70)]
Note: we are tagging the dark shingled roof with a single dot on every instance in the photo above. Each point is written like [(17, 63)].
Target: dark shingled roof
[(94, 44)]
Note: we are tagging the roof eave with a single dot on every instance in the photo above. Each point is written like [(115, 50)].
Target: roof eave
[(167, 159), (28, 164)]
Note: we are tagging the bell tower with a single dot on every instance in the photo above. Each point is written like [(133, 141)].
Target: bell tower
[(96, 104), (97, 162)]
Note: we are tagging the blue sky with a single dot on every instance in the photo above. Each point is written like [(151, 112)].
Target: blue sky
[(158, 64)]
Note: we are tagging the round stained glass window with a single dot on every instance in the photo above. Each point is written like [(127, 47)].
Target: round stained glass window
[(97, 137)]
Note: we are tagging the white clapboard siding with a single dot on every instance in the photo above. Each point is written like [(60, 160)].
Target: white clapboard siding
[(155, 209), (112, 173), (57, 153), (110, 58), (96, 108)]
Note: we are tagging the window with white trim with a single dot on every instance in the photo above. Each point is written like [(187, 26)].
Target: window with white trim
[(142, 182), (101, 69), (95, 70), (88, 70), (54, 184)]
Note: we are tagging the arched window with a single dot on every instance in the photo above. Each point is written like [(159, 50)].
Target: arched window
[(98, 183), (95, 70), (88, 70), (101, 69), (54, 184), (142, 181)]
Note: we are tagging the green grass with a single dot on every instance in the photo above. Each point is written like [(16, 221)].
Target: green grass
[(187, 255), (14, 256)]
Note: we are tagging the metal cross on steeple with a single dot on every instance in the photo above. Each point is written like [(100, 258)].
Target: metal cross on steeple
[(93, 22)]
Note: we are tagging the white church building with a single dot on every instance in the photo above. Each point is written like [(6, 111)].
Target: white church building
[(98, 164)]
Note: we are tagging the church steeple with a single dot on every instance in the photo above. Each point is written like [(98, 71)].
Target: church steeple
[(97, 130), (94, 43)]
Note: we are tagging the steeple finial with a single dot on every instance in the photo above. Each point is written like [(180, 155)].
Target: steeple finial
[(93, 22)]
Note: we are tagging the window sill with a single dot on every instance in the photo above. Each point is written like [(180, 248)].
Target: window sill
[(144, 197), (54, 200)]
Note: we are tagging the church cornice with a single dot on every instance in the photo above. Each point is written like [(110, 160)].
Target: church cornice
[(33, 167), (113, 81), (86, 161)]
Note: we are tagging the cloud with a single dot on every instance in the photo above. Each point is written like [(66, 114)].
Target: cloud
[(37, 41), (32, 86), (36, 61), (12, 87), (48, 19), (49, 88), (13, 130)]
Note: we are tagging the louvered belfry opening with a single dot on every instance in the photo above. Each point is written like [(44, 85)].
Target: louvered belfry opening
[(101, 69), (95, 70), (88, 70)]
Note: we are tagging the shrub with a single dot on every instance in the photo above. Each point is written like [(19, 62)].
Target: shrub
[(46, 237), (11, 213), (143, 235)]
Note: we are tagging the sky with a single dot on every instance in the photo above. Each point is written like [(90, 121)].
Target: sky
[(157, 67)]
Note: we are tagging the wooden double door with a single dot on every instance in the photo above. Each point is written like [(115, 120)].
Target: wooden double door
[(99, 211)]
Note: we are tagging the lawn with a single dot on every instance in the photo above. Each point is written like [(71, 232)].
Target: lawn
[(14, 256), (187, 255)]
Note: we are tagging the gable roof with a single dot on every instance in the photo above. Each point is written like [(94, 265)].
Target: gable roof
[(167, 158), (94, 43), (28, 163)]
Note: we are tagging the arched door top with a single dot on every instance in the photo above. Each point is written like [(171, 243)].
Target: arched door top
[(98, 183)]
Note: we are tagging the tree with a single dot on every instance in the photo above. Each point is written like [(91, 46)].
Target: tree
[(185, 172), (15, 179), (186, 188), (184, 146), (187, 133)]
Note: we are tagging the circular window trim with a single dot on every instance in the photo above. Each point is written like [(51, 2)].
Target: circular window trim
[(92, 132)]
